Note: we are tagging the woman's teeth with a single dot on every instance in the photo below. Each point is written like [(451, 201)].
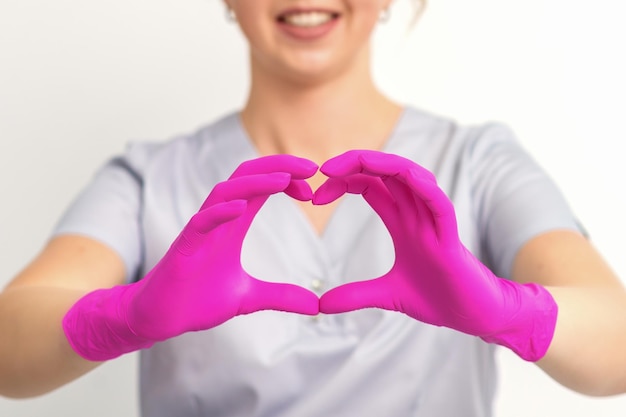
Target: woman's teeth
[(308, 19)]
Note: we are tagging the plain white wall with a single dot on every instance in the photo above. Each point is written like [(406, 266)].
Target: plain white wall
[(80, 79)]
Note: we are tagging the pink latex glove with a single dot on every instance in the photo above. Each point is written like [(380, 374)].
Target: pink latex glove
[(199, 283), (434, 279)]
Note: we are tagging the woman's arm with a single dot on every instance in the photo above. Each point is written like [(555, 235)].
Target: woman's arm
[(588, 351), (35, 356)]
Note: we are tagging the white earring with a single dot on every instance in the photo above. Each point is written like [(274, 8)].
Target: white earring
[(230, 15), (385, 14)]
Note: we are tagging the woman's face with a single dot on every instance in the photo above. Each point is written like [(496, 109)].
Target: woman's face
[(307, 39)]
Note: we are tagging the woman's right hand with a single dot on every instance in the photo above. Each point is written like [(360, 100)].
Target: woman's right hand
[(199, 283)]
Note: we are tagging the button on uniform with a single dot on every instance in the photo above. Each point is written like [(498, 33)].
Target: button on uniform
[(317, 284)]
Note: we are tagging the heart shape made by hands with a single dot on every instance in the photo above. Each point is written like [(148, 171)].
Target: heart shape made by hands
[(434, 278), (417, 214)]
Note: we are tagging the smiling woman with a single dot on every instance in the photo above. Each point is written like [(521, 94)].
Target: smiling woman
[(423, 242)]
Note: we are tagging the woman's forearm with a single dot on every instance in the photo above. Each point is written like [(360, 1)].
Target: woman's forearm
[(35, 356), (588, 351)]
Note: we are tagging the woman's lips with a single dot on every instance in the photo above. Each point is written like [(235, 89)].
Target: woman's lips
[(307, 25)]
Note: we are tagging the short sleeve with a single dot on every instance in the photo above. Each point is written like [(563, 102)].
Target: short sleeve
[(108, 209), (515, 198)]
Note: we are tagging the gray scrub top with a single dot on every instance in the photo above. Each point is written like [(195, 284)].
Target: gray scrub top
[(365, 363)]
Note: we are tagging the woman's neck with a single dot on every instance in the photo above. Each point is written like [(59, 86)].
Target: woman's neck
[(318, 121)]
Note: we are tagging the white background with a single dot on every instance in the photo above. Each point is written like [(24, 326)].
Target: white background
[(79, 79)]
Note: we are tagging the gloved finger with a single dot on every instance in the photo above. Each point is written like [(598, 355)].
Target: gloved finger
[(299, 190), (407, 181), (385, 166), (330, 190), (415, 190), (369, 162), (439, 206), (402, 212), (421, 182), (373, 191), (396, 173), (299, 168), (205, 221), (348, 163), (263, 295), (248, 188), (333, 188), (374, 293)]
